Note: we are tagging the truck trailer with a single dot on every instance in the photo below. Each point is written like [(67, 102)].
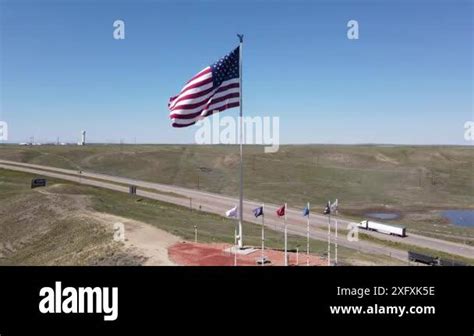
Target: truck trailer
[(396, 230)]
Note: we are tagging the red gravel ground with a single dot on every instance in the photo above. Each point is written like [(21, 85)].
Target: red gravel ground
[(198, 254)]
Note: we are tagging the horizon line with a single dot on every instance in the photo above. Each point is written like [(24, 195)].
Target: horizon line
[(27, 144)]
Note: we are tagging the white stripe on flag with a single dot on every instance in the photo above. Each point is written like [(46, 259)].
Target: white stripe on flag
[(211, 108)]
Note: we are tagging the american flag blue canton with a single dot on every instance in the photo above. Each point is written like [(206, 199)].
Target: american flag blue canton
[(214, 89), (226, 68)]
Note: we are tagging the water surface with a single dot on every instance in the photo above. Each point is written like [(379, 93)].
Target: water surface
[(459, 217)]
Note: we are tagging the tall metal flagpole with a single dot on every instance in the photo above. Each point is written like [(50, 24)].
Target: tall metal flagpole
[(307, 238), (286, 240), (241, 200)]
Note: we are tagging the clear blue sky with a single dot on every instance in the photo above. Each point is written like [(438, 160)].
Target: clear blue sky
[(408, 79)]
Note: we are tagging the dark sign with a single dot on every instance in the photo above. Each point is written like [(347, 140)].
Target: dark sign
[(38, 182)]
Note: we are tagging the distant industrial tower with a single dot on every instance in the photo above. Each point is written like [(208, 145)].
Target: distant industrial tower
[(83, 138)]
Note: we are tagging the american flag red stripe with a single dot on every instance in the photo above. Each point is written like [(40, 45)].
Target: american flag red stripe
[(214, 89)]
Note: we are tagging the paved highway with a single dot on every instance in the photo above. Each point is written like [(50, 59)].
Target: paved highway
[(218, 204)]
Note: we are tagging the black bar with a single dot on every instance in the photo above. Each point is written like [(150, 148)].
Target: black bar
[(201, 298)]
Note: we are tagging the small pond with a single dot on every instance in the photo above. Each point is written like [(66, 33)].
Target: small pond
[(459, 217)]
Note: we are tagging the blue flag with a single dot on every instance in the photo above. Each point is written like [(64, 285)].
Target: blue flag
[(258, 212), (306, 211)]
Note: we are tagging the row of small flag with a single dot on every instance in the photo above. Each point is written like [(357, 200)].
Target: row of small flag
[(257, 212)]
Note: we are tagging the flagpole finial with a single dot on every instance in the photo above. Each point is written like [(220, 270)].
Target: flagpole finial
[(241, 37)]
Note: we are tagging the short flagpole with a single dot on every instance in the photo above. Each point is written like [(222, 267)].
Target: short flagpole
[(329, 237), (241, 199), (263, 233), (286, 240), (307, 238), (335, 238), (335, 244), (235, 245)]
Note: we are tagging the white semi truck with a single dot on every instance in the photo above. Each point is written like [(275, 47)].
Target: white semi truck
[(396, 230)]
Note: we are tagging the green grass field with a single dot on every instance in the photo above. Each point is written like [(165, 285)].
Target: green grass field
[(414, 181), (42, 227), (38, 228)]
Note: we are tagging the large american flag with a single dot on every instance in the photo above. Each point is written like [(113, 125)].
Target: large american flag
[(214, 89)]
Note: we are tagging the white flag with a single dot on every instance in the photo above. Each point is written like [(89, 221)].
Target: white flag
[(334, 206), (232, 212)]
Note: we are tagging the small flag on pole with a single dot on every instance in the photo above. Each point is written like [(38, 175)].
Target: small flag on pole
[(334, 206), (258, 212), (281, 211), (327, 210), (232, 213), (306, 211), (214, 89)]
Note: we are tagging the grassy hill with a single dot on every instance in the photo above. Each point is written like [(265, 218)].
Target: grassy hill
[(415, 181), (58, 225)]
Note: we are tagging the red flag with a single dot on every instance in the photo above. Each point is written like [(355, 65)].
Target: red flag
[(281, 211)]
